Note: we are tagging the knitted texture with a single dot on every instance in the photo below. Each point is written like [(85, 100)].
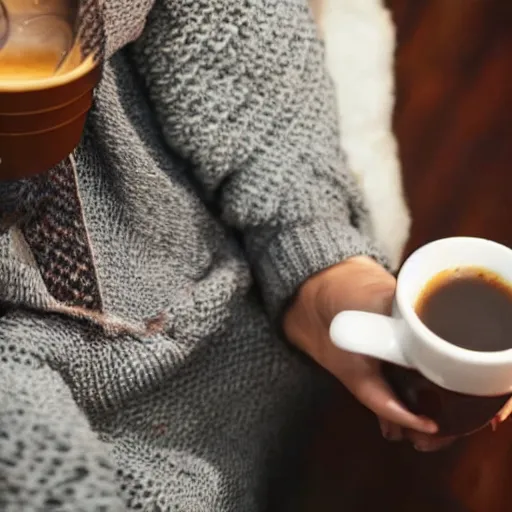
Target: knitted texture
[(139, 366)]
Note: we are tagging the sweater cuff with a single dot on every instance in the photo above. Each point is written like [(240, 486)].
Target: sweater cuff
[(296, 254)]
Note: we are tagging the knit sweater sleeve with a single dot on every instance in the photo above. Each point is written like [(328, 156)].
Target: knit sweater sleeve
[(241, 92)]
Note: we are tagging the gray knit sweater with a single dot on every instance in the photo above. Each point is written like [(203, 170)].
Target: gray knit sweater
[(140, 367)]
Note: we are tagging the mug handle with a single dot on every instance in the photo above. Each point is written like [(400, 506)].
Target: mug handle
[(369, 334)]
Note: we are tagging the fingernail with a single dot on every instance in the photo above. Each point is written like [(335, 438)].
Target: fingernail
[(420, 446), (425, 446), (389, 433), (384, 428), (395, 436), (430, 426)]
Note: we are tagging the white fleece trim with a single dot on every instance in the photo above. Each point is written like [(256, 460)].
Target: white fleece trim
[(360, 44)]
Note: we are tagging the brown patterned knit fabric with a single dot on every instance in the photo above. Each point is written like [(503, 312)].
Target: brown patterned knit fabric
[(55, 231)]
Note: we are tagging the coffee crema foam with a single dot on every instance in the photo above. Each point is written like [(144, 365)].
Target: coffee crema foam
[(28, 65), (32, 72), (21, 64)]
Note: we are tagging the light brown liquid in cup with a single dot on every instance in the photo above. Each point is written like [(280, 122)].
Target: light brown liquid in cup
[(37, 37), (36, 64)]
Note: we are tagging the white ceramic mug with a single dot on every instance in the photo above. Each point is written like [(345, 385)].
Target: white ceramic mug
[(405, 341)]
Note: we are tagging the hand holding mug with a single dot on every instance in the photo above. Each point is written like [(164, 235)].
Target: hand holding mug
[(356, 284), (447, 347)]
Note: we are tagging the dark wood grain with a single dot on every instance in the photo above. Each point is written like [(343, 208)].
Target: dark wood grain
[(453, 116), (454, 125)]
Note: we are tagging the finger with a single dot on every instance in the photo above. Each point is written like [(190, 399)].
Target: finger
[(390, 431), (426, 443), (374, 392)]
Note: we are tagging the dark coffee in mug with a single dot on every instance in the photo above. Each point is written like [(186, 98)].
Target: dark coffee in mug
[(471, 308)]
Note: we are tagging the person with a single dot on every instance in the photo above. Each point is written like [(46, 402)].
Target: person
[(157, 281)]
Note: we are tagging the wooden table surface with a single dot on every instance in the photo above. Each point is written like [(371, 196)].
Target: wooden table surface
[(454, 125)]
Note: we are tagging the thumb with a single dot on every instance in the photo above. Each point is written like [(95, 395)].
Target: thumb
[(375, 393), (362, 377)]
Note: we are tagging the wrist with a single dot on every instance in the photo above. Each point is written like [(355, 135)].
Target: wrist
[(307, 320)]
